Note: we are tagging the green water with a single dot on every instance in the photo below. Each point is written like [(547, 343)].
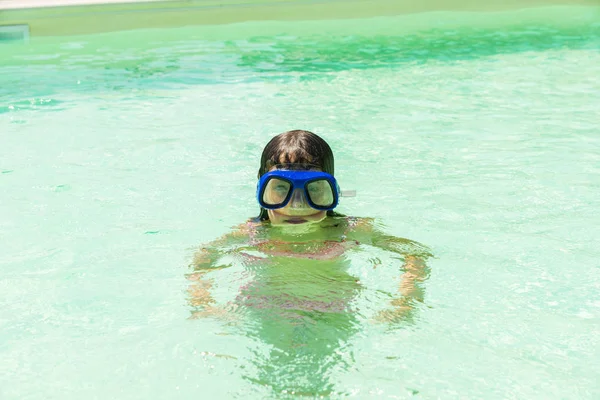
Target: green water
[(475, 135)]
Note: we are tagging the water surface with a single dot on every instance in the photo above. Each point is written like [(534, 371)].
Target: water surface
[(474, 134)]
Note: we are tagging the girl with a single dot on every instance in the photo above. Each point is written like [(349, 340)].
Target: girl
[(297, 194), (296, 286)]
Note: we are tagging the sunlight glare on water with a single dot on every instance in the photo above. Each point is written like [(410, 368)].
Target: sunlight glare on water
[(122, 153)]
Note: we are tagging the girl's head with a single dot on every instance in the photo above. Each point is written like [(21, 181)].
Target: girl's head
[(302, 148), (296, 147)]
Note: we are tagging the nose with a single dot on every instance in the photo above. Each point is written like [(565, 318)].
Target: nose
[(298, 200)]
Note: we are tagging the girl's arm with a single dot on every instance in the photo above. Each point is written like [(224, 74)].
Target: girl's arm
[(206, 259), (415, 272), (415, 269), (410, 290)]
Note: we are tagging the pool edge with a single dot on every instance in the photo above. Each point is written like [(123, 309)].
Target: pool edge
[(69, 19)]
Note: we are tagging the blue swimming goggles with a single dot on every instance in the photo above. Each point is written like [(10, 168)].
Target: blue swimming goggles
[(275, 189)]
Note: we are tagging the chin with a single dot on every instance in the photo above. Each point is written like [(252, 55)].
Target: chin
[(280, 218)]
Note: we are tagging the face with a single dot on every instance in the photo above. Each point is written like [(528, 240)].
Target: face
[(297, 211)]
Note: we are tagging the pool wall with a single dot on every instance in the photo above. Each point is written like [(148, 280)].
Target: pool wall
[(77, 17)]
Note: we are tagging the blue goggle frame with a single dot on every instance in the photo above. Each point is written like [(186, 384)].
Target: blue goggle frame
[(297, 180)]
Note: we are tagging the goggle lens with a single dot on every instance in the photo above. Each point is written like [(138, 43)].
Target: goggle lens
[(320, 192), (276, 191)]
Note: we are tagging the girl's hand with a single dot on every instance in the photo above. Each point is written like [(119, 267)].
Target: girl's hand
[(225, 313), (394, 315)]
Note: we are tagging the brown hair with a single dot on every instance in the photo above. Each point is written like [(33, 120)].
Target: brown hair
[(296, 147)]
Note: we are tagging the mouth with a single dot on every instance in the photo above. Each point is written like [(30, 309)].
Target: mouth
[(295, 221)]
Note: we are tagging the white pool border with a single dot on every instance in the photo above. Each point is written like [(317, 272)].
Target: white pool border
[(23, 4), (80, 17)]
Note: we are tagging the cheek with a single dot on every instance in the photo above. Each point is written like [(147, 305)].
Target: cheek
[(318, 216), (274, 218)]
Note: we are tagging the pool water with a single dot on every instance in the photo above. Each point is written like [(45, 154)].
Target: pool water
[(475, 135)]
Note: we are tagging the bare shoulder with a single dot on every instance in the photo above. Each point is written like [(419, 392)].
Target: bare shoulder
[(370, 231), (243, 230), (207, 253), (361, 223)]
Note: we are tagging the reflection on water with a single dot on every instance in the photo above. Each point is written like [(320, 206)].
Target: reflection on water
[(302, 296)]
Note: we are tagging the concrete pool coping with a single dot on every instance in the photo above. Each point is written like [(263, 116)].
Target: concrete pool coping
[(77, 17), (21, 4)]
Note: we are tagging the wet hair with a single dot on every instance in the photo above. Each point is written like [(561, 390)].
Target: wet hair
[(296, 147)]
